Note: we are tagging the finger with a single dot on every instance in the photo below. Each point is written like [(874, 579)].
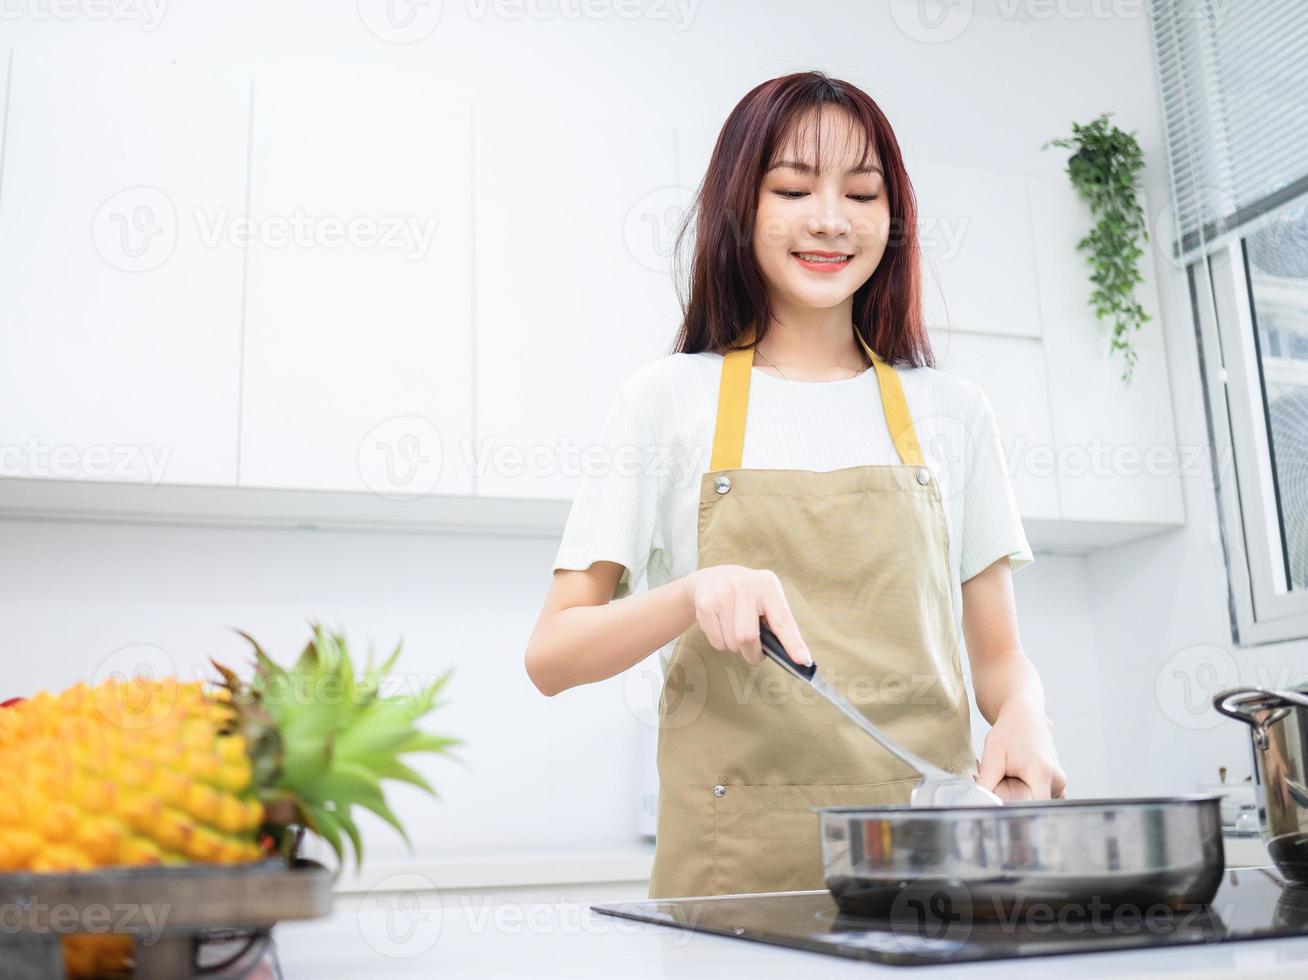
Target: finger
[(1058, 787), (1039, 780), (746, 618), (991, 769), (727, 620), (708, 622), (782, 622), (1013, 789)]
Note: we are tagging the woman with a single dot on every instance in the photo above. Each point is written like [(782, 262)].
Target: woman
[(822, 516)]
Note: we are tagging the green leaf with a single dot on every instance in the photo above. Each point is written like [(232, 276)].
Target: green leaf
[(346, 820), (323, 823), (395, 769)]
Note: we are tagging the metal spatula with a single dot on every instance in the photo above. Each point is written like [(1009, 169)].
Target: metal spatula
[(936, 788)]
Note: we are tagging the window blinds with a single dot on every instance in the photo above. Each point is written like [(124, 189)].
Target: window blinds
[(1233, 77)]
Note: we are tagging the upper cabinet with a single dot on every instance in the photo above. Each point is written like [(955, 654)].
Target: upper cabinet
[(119, 324), (1011, 371), (1116, 442), (978, 269), (327, 282), (359, 309), (575, 217)]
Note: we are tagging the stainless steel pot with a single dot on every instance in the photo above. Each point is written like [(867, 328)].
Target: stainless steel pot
[(1278, 731), (984, 862)]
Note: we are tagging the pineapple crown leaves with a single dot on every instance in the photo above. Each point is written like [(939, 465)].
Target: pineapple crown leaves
[(330, 736)]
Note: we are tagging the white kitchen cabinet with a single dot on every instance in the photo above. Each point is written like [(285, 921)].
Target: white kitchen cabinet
[(1011, 371), (978, 268), (119, 326), (1118, 459), (575, 214), (359, 330)]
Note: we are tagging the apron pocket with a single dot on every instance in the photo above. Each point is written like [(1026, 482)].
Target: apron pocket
[(765, 836)]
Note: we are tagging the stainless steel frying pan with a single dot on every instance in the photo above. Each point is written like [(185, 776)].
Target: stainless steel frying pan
[(1078, 858)]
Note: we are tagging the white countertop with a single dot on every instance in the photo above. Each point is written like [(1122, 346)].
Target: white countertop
[(380, 936)]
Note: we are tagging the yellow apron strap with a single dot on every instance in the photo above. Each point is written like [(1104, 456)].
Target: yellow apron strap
[(733, 400), (896, 408)]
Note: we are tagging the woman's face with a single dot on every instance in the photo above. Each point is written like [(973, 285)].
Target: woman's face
[(811, 212)]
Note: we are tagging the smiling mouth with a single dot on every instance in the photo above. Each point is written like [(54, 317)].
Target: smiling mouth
[(838, 258)]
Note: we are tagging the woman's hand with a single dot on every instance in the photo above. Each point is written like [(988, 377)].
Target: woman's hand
[(730, 600), (1018, 761)]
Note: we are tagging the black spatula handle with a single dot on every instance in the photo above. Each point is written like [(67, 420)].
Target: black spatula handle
[(773, 648)]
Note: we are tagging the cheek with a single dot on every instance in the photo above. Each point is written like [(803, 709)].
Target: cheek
[(872, 231), (772, 230)]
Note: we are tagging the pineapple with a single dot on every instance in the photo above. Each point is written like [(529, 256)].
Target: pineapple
[(140, 771)]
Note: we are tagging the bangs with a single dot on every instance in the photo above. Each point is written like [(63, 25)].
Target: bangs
[(819, 141)]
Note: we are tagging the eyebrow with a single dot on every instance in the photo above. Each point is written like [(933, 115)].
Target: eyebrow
[(805, 168)]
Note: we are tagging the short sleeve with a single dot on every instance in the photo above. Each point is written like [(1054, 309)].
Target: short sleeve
[(992, 527), (614, 514)]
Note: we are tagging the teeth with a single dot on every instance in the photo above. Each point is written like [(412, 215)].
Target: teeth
[(810, 257)]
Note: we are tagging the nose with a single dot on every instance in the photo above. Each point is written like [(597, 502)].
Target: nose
[(828, 221)]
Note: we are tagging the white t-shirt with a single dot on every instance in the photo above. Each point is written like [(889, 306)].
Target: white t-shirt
[(638, 502)]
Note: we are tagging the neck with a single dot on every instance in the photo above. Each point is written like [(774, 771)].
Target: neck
[(814, 342)]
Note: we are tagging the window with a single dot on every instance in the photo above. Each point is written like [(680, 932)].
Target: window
[(1251, 304), (1232, 78)]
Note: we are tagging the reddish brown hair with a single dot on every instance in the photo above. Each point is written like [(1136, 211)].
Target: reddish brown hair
[(727, 292)]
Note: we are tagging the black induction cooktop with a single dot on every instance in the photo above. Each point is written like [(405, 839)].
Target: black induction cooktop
[(1252, 903)]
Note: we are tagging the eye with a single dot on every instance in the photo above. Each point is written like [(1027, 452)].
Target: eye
[(796, 195)]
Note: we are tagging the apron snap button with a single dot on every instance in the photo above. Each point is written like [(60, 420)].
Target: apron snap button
[(923, 475), (722, 484), (719, 790)]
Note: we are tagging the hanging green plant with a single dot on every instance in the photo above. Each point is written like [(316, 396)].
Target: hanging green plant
[(1103, 169)]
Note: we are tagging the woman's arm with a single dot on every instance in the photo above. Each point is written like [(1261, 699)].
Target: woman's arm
[(1020, 743), (581, 637)]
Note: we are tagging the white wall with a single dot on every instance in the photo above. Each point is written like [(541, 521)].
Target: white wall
[(80, 598), (1162, 624), (559, 772)]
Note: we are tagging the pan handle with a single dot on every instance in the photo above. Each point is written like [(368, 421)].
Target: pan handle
[(773, 648)]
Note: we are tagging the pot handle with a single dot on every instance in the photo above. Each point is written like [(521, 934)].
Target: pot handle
[(1281, 701), (1271, 699)]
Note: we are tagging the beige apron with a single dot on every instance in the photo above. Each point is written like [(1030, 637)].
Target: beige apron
[(744, 751)]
